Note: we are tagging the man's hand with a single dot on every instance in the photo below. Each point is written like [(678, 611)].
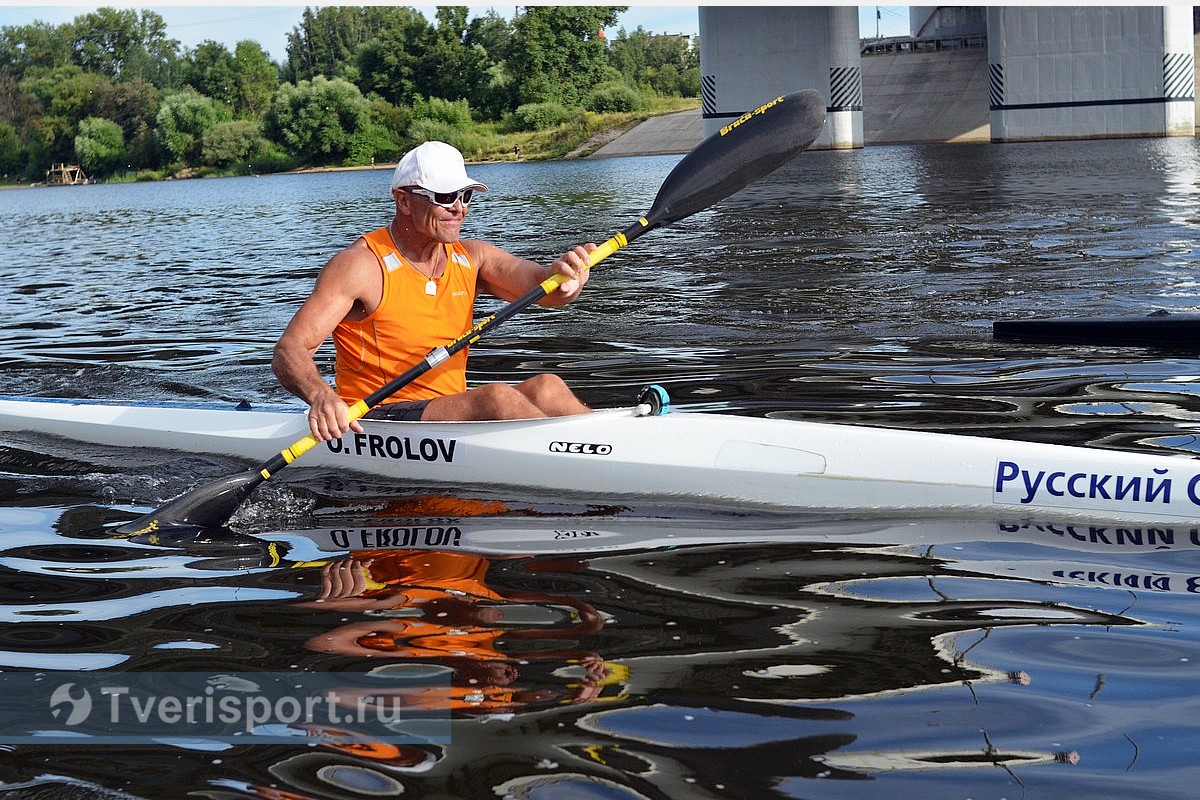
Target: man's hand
[(574, 264), (329, 417), (343, 582)]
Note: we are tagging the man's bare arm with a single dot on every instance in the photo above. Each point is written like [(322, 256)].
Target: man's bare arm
[(340, 289), (508, 277)]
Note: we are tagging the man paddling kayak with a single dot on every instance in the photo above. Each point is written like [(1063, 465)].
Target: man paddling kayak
[(406, 288)]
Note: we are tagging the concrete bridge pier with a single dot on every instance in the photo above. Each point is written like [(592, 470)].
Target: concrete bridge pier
[(753, 54), (1072, 72)]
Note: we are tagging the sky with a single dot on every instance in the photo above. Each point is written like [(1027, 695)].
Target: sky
[(269, 25)]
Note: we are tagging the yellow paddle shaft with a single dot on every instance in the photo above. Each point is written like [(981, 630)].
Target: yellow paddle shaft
[(302, 446), (601, 252)]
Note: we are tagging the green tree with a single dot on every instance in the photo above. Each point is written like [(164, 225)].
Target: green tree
[(13, 153), (125, 44), (327, 40), (24, 47), (628, 54), (558, 52), (391, 63), (232, 142), (391, 117), (134, 106), (455, 113), (17, 106), (20, 116), (451, 67), (666, 80), (211, 72), (655, 61), (256, 78), (318, 119), (99, 146), (689, 82), (182, 122), (389, 123), (493, 33), (66, 95), (495, 93)]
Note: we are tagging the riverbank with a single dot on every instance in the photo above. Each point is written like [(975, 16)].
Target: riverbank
[(577, 138)]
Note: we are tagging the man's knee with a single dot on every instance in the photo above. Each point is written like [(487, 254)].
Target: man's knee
[(497, 394), (502, 401), (551, 395), (545, 385)]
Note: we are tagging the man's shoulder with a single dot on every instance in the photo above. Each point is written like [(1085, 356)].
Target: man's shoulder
[(357, 256), (481, 252)]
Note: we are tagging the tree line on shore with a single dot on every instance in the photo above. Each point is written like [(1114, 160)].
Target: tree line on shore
[(111, 91)]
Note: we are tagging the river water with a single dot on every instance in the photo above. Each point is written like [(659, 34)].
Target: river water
[(762, 657)]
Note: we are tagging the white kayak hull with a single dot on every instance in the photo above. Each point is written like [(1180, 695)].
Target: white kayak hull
[(711, 460)]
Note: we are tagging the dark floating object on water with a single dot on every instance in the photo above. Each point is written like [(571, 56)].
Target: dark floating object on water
[(1157, 329)]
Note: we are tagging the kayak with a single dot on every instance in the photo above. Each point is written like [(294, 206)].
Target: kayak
[(698, 459), (1159, 329)]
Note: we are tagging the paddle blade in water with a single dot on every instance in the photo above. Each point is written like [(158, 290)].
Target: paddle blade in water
[(206, 507), (749, 147)]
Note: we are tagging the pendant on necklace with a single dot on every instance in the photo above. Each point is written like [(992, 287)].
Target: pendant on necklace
[(431, 287)]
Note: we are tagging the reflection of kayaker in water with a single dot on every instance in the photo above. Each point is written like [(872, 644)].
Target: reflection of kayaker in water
[(430, 603), (492, 685), (383, 579), (435, 606)]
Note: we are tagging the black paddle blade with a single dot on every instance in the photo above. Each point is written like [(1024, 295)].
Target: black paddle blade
[(203, 508), (746, 149)]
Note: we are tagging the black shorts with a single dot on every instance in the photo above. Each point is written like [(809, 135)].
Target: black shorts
[(404, 411)]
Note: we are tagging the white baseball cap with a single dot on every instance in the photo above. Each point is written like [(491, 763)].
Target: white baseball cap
[(435, 166)]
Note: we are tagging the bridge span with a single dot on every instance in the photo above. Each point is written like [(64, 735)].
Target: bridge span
[(1052, 72)]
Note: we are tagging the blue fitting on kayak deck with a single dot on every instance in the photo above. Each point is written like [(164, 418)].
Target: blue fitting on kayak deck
[(653, 401)]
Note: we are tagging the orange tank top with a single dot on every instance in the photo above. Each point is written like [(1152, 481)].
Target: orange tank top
[(409, 322)]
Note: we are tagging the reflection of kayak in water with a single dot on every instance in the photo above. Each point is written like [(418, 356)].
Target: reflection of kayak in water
[(466, 685), (512, 535), (897, 760), (1121, 557)]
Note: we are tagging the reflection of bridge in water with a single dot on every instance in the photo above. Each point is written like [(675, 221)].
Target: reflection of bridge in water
[(1045, 73)]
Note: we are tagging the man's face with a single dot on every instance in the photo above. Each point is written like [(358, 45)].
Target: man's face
[(437, 222)]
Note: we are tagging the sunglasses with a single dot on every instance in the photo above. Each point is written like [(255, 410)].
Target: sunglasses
[(443, 199)]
